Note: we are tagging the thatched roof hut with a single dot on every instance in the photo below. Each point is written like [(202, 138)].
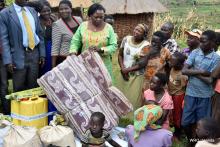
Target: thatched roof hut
[(128, 13)]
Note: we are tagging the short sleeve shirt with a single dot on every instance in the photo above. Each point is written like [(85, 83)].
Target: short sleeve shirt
[(166, 101), (88, 139), (197, 60)]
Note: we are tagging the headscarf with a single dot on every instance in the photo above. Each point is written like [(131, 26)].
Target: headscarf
[(145, 28), (146, 116)]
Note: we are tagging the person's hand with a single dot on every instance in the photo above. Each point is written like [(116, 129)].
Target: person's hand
[(10, 67), (205, 73), (95, 49), (73, 54), (92, 48), (42, 61), (124, 73), (125, 76), (124, 70)]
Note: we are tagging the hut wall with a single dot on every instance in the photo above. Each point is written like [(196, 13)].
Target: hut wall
[(125, 23)]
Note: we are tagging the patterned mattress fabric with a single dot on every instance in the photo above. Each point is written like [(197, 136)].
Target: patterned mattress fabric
[(80, 86)]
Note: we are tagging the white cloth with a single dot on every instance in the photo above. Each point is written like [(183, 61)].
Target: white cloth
[(131, 50), (3, 133)]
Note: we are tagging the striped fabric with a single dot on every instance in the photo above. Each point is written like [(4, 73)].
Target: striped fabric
[(61, 38)]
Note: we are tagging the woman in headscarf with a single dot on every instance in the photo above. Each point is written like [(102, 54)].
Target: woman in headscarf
[(146, 131), (131, 50)]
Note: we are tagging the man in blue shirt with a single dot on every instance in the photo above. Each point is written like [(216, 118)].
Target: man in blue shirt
[(23, 44), (199, 65)]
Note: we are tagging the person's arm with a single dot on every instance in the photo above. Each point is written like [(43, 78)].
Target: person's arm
[(131, 69), (109, 139), (143, 60), (76, 42), (40, 34), (121, 54), (6, 48), (112, 43), (141, 64), (216, 72), (113, 143), (120, 58), (56, 39), (54, 61), (207, 80), (189, 71)]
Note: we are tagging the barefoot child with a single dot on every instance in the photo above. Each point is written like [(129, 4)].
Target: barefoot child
[(96, 135), (158, 93), (176, 87)]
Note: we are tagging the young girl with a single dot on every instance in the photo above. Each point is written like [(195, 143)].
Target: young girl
[(208, 133), (96, 135), (176, 87), (158, 93)]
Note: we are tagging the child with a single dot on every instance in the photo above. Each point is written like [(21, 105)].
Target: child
[(96, 135), (176, 88), (198, 67), (208, 133), (158, 93), (192, 41), (145, 131)]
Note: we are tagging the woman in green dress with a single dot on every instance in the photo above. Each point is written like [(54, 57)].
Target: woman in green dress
[(96, 35)]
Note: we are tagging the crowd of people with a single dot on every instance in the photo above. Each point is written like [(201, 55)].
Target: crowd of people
[(167, 86)]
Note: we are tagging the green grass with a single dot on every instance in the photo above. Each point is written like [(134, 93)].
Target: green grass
[(207, 10)]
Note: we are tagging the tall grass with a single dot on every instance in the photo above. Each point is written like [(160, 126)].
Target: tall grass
[(189, 22)]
